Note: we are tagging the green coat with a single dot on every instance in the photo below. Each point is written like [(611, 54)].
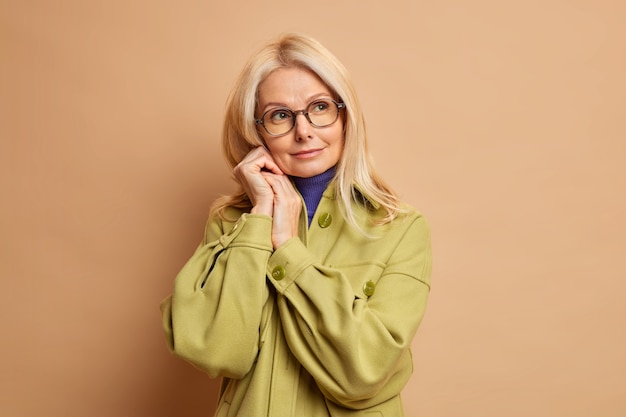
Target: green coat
[(322, 326)]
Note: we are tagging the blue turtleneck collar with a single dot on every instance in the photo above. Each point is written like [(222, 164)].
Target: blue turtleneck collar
[(312, 188)]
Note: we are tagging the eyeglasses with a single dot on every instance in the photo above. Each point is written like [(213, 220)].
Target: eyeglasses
[(320, 113)]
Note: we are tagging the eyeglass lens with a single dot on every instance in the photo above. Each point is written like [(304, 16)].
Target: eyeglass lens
[(319, 113)]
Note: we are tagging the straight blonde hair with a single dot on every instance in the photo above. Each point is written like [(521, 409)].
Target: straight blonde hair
[(355, 179)]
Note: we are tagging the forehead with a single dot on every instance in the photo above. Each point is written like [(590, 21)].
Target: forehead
[(291, 86)]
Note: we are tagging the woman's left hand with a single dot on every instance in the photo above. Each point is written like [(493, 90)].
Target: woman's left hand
[(287, 208)]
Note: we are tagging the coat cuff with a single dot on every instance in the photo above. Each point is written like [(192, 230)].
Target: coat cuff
[(287, 263), (252, 230)]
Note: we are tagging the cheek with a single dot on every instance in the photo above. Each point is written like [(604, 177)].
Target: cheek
[(277, 151), (338, 139), (271, 145), (340, 148)]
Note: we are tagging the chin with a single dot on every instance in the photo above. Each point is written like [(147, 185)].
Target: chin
[(307, 172)]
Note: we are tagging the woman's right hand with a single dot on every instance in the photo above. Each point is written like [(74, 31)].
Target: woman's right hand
[(248, 174)]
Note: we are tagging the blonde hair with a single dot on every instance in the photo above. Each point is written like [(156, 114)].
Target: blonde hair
[(355, 166)]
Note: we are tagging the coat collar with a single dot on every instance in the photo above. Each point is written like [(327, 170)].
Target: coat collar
[(358, 195)]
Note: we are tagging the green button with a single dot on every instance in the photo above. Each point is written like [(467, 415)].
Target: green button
[(278, 273), (325, 220), (368, 288)]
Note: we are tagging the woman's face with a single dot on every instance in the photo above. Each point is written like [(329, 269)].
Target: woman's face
[(306, 150)]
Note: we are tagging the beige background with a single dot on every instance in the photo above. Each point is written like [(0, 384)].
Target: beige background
[(503, 121)]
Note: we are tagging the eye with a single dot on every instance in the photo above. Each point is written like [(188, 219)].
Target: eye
[(280, 115), (319, 107)]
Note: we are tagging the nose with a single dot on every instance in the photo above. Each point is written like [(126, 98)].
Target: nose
[(303, 127)]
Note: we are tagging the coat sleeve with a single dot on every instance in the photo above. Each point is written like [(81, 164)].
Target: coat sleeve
[(212, 318), (357, 348)]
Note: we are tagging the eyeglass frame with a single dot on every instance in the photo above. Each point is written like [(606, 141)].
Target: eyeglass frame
[(295, 113)]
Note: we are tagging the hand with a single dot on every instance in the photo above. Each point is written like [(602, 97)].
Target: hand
[(249, 174), (287, 208)]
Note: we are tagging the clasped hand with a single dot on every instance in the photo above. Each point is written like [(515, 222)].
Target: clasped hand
[(271, 193)]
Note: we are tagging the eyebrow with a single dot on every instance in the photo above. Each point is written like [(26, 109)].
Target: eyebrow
[(282, 105)]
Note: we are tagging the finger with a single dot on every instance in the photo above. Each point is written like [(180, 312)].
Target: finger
[(283, 186), (283, 189), (268, 162), (276, 181), (255, 162)]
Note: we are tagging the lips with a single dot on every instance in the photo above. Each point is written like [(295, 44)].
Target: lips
[(308, 153)]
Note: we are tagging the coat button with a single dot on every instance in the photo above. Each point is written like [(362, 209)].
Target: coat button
[(368, 288), (278, 272), (325, 220)]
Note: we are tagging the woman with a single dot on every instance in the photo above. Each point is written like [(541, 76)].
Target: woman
[(312, 279)]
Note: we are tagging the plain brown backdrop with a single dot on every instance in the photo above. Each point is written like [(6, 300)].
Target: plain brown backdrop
[(503, 121)]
